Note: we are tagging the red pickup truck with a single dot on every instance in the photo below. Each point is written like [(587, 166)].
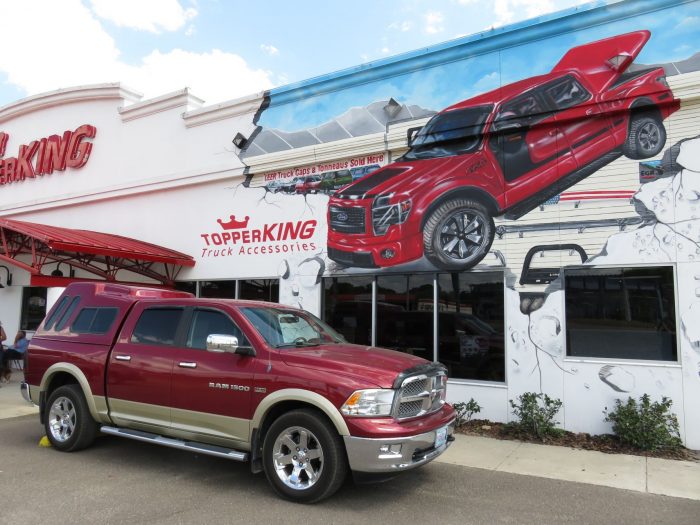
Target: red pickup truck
[(502, 153), (242, 380)]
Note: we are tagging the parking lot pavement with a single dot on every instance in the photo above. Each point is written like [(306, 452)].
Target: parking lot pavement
[(122, 481), (11, 402)]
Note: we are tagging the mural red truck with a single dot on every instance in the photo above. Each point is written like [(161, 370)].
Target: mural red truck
[(242, 380), (502, 153)]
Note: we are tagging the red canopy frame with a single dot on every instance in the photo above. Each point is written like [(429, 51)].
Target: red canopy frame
[(101, 254)]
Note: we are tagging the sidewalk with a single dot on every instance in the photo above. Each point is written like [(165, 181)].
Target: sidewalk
[(680, 479), (12, 404)]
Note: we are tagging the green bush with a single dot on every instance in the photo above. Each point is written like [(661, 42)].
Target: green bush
[(535, 413), (465, 411), (644, 424)]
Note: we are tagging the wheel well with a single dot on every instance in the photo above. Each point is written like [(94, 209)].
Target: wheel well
[(272, 414), (644, 106), (464, 193), (60, 379)]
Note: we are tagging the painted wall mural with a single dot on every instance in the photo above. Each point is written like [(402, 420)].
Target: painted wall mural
[(568, 163)]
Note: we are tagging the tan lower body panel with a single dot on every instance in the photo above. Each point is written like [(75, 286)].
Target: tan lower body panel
[(188, 425)]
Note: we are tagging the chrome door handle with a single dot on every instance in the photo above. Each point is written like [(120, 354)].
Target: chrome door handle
[(187, 364), (122, 357), (589, 111)]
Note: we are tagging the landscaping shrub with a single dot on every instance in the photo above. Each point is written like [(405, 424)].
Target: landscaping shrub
[(465, 411), (535, 413), (644, 424)]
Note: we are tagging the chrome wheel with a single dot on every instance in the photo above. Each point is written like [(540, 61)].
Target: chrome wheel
[(649, 137), (462, 235), (62, 419), (297, 458)]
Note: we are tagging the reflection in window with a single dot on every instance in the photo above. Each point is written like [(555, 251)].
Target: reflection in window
[(405, 314), (347, 307), (624, 313), (470, 325), (33, 307), (218, 289), (186, 286), (259, 290)]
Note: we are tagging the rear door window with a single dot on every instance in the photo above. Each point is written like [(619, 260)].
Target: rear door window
[(157, 326)]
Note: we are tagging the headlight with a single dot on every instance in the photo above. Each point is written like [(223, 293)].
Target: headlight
[(385, 214), (368, 403)]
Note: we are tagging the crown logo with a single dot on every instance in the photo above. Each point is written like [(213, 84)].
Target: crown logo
[(233, 224)]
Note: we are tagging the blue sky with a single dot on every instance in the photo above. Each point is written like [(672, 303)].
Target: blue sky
[(224, 49), (674, 36)]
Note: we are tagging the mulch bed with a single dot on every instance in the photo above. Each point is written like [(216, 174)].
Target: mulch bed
[(602, 443)]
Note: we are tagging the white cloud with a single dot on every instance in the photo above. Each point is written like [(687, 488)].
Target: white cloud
[(144, 15), (403, 26), (269, 49), (79, 51), (386, 50), (506, 11), (433, 22)]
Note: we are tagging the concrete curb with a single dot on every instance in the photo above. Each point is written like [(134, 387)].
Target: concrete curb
[(680, 479)]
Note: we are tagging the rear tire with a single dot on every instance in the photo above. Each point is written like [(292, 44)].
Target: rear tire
[(646, 137), (304, 457), (458, 234), (69, 425)]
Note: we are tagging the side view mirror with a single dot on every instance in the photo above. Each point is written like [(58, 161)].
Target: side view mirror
[(227, 343), (411, 134)]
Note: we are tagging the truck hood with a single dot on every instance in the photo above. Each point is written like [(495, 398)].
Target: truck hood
[(374, 366), (405, 177)]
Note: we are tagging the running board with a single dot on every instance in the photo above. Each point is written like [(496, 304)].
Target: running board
[(191, 446)]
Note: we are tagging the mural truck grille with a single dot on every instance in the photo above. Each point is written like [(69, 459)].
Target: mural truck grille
[(347, 220)]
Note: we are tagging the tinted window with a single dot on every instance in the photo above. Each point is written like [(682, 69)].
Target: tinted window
[(67, 314), (626, 313), (207, 322), (259, 290), (157, 326), (33, 307), (54, 315), (565, 93), (218, 289), (94, 320)]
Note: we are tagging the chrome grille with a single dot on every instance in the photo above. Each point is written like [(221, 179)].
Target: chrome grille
[(421, 394)]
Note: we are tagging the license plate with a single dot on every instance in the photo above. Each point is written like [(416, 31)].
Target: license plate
[(440, 437)]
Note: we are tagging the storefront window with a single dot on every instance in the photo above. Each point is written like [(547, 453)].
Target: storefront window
[(470, 325), (218, 289), (259, 290), (187, 286), (622, 313), (33, 308), (405, 314), (347, 307)]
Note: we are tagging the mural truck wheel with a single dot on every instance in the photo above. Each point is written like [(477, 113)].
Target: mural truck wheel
[(646, 137), (458, 234)]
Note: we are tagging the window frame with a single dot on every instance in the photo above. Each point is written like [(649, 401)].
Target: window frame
[(566, 358)]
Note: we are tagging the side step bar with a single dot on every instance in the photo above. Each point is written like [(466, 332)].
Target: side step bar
[(191, 446)]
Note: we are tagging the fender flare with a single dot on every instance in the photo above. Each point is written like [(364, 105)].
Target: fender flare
[(79, 376), (304, 396)]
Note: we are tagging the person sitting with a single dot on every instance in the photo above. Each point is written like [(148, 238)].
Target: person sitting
[(16, 351)]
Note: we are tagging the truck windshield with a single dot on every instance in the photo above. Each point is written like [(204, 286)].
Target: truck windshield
[(290, 328), (452, 133)]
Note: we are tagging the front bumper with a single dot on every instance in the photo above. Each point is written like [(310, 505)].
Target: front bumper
[(373, 455)]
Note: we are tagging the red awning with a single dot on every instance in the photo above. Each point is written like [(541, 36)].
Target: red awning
[(33, 246)]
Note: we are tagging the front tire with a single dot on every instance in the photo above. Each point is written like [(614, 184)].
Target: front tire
[(69, 425), (646, 138), (458, 234), (304, 457)]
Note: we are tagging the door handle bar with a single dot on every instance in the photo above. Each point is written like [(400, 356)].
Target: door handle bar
[(122, 357), (187, 364)]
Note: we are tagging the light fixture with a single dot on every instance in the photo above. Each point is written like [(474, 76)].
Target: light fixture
[(392, 107), (9, 277), (239, 140), (57, 272)]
